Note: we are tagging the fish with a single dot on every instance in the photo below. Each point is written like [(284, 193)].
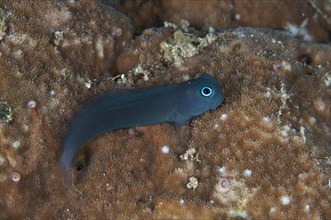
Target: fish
[(171, 103)]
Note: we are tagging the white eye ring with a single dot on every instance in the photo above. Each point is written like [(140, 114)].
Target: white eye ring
[(206, 91)]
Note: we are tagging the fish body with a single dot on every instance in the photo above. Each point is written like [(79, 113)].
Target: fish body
[(138, 107)]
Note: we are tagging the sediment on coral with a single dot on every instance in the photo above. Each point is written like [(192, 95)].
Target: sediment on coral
[(265, 153)]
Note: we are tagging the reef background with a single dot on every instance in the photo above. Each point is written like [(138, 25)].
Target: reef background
[(265, 153)]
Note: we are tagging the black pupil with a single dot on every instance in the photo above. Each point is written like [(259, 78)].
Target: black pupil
[(206, 91)]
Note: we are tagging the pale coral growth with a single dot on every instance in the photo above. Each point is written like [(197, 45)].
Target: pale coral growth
[(70, 40), (193, 183), (247, 173), (312, 121), (183, 46), (29, 162), (2, 160), (56, 17), (180, 48), (285, 131), (16, 144), (88, 83), (117, 32), (138, 70), (91, 38), (58, 37), (52, 93), (3, 23), (211, 29), (71, 1), (300, 31), (319, 104), (267, 94), (120, 79), (19, 39), (272, 211), (9, 152), (284, 98), (222, 170), (238, 213), (32, 104), (303, 134), (18, 54), (232, 191), (287, 66), (99, 48), (266, 119), (65, 72), (327, 78), (167, 24), (285, 200), (223, 117), (307, 208), (190, 154), (184, 25), (186, 77), (109, 187), (207, 40), (165, 149)]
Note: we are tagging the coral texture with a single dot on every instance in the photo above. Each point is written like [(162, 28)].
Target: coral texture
[(264, 154), (308, 19)]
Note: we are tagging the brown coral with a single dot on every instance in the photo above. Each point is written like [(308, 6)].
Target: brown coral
[(309, 19), (264, 154)]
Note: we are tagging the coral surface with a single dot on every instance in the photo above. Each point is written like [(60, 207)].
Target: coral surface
[(264, 154), (308, 19)]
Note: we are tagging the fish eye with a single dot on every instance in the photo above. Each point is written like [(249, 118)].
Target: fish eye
[(206, 91)]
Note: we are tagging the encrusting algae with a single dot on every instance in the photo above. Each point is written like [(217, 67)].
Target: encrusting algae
[(265, 153)]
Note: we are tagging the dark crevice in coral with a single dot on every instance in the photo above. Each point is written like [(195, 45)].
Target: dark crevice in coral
[(305, 60)]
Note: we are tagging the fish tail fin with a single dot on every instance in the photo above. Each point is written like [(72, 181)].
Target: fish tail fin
[(65, 171)]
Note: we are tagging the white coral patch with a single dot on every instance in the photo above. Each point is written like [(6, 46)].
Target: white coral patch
[(222, 170), (99, 48), (285, 131), (285, 200), (247, 173), (16, 144), (165, 149), (224, 117)]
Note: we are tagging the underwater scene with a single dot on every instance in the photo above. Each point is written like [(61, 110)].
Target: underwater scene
[(168, 109)]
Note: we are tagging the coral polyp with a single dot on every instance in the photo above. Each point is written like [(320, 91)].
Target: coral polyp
[(32, 104), (15, 177)]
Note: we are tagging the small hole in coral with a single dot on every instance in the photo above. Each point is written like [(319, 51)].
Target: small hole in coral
[(80, 166), (305, 60), (236, 47)]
